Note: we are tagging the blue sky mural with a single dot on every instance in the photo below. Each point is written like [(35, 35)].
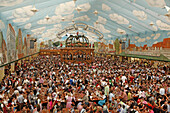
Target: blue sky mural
[(141, 21)]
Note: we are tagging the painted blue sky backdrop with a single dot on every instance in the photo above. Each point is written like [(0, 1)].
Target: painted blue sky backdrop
[(115, 19)]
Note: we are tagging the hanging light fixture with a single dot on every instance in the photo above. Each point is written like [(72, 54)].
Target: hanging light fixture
[(73, 21), (97, 22), (130, 26), (121, 32), (95, 12), (168, 14), (151, 24), (74, 1), (47, 17), (34, 10), (167, 8), (78, 9), (63, 19)]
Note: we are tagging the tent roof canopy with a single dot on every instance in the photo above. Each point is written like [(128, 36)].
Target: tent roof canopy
[(138, 20)]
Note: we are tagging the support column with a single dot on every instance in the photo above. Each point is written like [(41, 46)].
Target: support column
[(129, 59), (2, 72), (152, 62), (29, 58), (19, 63), (120, 58), (155, 64), (113, 57), (23, 59), (12, 67), (140, 60)]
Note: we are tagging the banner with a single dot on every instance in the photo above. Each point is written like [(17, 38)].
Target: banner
[(80, 25)]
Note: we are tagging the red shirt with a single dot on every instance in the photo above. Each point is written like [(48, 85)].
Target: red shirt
[(131, 78)]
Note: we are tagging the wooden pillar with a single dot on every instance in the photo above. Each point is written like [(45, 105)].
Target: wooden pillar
[(120, 48), (2, 72), (23, 59), (102, 55), (113, 57), (129, 59), (152, 62), (29, 58), (155, 64), (12, 67), (19, 63), (120, 58), (140, 60)]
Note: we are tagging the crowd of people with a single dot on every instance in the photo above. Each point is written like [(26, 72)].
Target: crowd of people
[(45, 84)]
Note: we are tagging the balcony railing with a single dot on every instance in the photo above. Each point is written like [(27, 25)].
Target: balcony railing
[(165, 52)]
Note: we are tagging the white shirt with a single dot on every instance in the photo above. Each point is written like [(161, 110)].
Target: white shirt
[(19, 88), (26, 81), (111, 95), (162, 91), (103, 96), (123, 79), (168, 107)]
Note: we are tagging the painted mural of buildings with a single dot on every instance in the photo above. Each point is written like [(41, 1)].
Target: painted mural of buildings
[(11, 45), (111, 48), (19, 41), (50, 43), (104, 48), (165, 44), (1, 43), (154, 50), (117, 46), (20, 45), (28, 43), (3, 50), (35, 47), (25, 47)]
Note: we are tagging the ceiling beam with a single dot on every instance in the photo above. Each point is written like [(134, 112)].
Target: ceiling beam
[(152, 13), (36, 17), (127, 16), (29, 2), (111, 28), (121, 26)]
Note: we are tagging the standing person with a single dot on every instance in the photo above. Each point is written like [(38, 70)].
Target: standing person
[(123, 78), (69, 101), (106, 89), (111, 96), (86, 98), (20, 99)]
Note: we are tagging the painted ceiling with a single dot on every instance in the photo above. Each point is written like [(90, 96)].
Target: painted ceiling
[(142, 21)]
